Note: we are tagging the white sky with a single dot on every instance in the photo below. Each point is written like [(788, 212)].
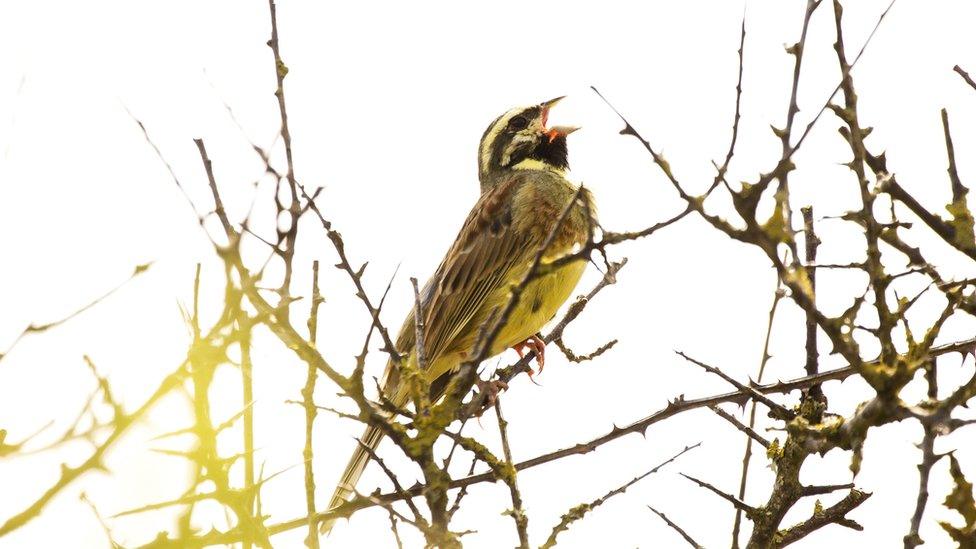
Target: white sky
[(387, 103)]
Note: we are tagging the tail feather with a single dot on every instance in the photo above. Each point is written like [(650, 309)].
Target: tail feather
[(354, 469)]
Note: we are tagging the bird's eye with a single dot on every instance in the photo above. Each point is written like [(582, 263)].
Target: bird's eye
[(518, 123)]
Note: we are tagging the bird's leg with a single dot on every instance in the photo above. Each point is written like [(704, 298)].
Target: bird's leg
[(536, 345), (491, 389)]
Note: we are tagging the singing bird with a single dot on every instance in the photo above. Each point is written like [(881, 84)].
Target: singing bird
[(522, 167)]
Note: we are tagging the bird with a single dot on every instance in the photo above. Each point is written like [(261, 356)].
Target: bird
[(523, 172)]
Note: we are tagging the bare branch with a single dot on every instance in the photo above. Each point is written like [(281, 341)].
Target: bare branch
[(749, 431), (965, 76), (578, 512), (736, 502), (518, 511), (780, 411), (676, 528), (308, 392), (94, 461), (835, 514), (747, 453), (36, 328)]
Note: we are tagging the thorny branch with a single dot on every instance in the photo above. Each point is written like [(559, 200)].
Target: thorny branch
[(810, 428), (747, 453), (578, 512), (37, 328), (308, 402), (518, 511), (691, 541), (813, 429)]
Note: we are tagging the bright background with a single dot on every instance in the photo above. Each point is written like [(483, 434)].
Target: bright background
[(387, 103)]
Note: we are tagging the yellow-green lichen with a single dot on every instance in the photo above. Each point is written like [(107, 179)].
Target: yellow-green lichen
[(962, 501), (962, 223), (775, 450)]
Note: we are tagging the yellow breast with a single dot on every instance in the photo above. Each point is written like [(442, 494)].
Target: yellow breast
[(538, 304)]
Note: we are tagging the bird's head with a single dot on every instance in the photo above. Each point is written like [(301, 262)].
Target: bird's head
[(520, 139)]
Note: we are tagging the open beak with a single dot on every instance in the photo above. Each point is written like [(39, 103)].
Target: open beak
[(555, 131), (546, 105), (559, 131)]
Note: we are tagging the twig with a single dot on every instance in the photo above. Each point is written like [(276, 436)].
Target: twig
[(98, 516), (739, 504), (308, 392), (676, 528), (573, 357), (286, 248), (779, 410), (355, 276), (281, 70), (464, 489), (518, 511), (965, 76), (747, 454), (749, 431), (958, 232), (826, 104), (578, 512), (247, 387), (169, 167), (797, 50), (812, 243), (394, 528), (929, 458), (721, 171), (204, 356), (94, 460), (835, 514), (807, 491), (693, 203), (418, 517), (36, 328), (218, 203)]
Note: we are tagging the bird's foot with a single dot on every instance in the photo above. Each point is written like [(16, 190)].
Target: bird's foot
[(490, 389), (537, 346)]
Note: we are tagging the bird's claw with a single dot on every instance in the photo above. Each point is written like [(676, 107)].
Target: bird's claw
[(490, 389), (537, 346)]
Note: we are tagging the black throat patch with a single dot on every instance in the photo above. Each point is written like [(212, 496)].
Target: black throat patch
[(553, 153)]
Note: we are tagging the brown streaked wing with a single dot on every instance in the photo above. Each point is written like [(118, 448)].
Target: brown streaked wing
[(478, 264)]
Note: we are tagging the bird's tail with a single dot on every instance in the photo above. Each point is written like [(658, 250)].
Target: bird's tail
[(354, 469)]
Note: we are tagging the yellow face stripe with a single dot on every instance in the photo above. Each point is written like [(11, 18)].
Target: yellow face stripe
[(488, 141)]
